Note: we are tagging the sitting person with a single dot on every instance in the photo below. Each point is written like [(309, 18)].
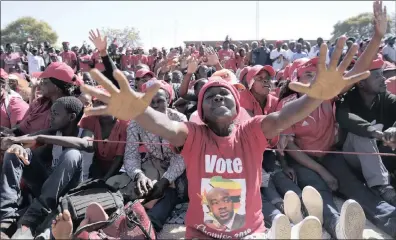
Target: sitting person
[(221, 155), (49, 170), (367, 115), (58, 80), (108, 156), (13, 107), (166, 164)]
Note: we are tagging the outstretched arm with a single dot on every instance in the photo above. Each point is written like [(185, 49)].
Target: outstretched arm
[(327, 84)]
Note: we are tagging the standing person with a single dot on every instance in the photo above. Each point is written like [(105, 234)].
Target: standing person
[(389, 51), (84, 60), (278, 56), (35, 61), (221, 154), (227, 56), (10, 58), (314, 51), (261, 55), (299, 53), (68, 57)]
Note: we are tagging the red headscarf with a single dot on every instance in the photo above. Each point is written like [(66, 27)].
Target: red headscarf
[(217, 83)]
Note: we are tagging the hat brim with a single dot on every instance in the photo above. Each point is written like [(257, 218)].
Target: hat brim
[(39, 75), (239, 86)]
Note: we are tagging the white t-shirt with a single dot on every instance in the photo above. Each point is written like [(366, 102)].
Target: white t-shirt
[(278, 64), (390, 51), (289, 55), (34, 63), (315, 53)]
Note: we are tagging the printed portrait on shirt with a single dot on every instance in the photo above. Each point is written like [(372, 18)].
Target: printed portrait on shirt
[(224, 203)]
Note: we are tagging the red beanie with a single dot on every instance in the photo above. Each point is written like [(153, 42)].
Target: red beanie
[(216, 83)]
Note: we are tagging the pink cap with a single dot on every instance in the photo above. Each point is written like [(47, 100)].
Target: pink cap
[(253, 71), (143, 72), (60, 71)]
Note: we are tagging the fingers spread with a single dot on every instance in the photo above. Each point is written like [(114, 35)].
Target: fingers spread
[(337, 52), (348, 58), (102, 96), (358, 77), (300, 87), (102, 80), (122, 80)]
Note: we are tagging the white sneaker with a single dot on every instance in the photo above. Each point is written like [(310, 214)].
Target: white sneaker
[(352, 221), (280, 228), (309, 228), (292, 205), (313, 202)]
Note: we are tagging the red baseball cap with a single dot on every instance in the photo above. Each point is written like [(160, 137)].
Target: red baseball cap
[(60, 71), (253, 71), (143, 72), (244, 71), (296, 64), (3, 74)]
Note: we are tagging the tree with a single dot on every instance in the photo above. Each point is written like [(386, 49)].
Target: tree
[(128, 35), (360, 26), (19, 30)]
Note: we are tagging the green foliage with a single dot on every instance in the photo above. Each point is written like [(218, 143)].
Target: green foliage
[(359, 26), (128, 35), (19, 30)]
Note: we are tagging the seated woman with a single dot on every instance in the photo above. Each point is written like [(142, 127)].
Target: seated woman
[(329, 172), (108, 156), (49, 170), (160, 159), (58, 80), (223, 160)]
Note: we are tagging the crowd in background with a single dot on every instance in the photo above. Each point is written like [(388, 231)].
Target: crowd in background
[(47, 147)]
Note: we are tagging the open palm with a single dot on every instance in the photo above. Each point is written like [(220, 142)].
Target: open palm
[(380, 18), (329, 81), (123, 103), (99, 41)]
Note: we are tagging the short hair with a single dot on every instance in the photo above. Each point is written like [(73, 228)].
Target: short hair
[(72, 105)]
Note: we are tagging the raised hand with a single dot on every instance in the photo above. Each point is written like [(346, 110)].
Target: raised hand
[(212, 58), (329, 81), (99, 41), (123, 103), (192, 65), (380, 18)]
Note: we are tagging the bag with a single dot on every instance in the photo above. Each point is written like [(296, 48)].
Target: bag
[(129, 222), (78, 199)]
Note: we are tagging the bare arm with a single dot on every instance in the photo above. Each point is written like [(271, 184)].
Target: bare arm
[(295, 111), (184, 85), (303, 159), (159, 124), (69, 142)]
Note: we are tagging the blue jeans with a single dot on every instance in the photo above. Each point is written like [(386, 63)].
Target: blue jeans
[(163, 209), (46, 184), (379, 212)]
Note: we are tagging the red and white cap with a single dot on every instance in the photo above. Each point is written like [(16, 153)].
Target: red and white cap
[(60, 71)]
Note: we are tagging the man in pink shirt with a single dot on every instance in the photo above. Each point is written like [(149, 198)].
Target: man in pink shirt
[(68, 57)]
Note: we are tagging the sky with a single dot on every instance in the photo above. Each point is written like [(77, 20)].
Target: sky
[(167, 24)]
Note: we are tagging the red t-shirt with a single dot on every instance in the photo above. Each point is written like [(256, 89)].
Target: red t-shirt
[(126, 62), (137, 59), (106, 152), (10, 60), (68, 57), (13, 113), (98, 61), (224, 177), (250, 103), (317, 131), (84, 67), (391, 86), (229, 57), (37, 117)]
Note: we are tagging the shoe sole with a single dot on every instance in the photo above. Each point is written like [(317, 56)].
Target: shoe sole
[(280, 228), (352, 220), (292, 206), (313, 202), (309, 228)]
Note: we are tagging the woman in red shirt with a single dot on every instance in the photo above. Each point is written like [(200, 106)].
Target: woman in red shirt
[(223, 160)]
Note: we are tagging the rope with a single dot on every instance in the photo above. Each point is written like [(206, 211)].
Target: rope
[(277, 149)]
